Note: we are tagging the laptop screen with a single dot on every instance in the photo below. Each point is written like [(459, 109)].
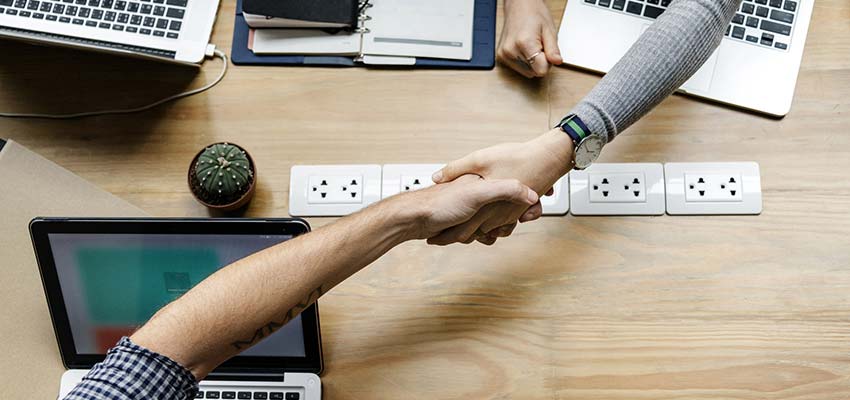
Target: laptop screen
[(113, 283)]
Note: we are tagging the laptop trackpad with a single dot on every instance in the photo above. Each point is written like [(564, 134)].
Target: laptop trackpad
[(700, 82)]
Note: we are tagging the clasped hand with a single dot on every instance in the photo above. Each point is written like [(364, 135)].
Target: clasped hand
[(537, 163)]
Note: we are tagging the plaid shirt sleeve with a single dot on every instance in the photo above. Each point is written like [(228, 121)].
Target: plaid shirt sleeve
[(132, 372)]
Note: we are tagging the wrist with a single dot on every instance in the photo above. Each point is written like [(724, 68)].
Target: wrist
[(509, 4), (561, 148), (403, 219)]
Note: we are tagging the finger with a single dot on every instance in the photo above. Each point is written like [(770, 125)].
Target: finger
[(532, 213), (483, 192), (532, 51), (487, 240), (519, 64), (468, 231), (507, 214), (464, 233), (505, 230), (539, 64), (440, 240), (550, 192), (550, 47), (511, 57), (455, 169)]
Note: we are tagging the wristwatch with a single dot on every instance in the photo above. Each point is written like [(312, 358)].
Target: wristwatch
[(587, 146)]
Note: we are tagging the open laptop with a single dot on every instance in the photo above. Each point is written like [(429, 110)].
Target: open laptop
[(167, 30), (755, 66), (103, 278)]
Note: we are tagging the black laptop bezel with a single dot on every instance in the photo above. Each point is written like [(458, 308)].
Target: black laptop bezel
[(40, 228)]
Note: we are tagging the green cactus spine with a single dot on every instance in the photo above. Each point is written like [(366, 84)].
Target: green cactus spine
[(223, 173)]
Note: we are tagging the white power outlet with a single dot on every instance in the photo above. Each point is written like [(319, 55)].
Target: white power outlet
[(713, 188), (344, 189), (332, 190), (399, 178), (559, 202), (618, 189)]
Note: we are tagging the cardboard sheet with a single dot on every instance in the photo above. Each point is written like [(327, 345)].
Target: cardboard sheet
[(36, 187)]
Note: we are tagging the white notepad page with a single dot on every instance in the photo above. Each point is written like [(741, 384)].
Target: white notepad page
[(305, 41), (420, 28)]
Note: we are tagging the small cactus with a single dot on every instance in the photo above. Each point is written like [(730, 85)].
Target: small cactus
[(222, 174)]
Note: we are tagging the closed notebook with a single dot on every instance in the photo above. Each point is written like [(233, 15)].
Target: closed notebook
[(389, 31), (301, 13)]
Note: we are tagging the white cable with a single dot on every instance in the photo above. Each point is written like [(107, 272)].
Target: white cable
[(217, 52)]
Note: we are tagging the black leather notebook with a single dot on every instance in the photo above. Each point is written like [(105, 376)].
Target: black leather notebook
[(303, 13)]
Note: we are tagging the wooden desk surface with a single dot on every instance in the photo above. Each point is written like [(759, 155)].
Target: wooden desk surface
[(662, 308)]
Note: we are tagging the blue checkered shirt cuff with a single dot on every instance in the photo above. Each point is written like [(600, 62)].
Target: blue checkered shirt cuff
[(132, 372)]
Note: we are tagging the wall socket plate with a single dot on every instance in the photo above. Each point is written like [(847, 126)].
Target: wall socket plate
[(618, 189), (559, 202), (398, 178), (713, 188), (332, 190)]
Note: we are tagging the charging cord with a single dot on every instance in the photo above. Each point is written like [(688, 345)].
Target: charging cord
[(211, 51)]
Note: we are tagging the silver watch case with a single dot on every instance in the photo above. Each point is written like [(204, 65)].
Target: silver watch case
[(587, 151)]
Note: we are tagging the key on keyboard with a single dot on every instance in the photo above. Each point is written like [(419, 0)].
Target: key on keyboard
[(127, 15), (757, 22)]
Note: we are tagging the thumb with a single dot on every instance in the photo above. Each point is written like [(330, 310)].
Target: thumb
[(550, 47), (510, 190), (454, 170)]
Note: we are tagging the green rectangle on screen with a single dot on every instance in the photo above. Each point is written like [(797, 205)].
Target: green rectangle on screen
[(128, 285)]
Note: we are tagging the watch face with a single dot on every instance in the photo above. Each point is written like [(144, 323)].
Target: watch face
[(588, 151)]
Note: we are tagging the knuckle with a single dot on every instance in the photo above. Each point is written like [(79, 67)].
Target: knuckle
[(527, 44), (517, 188)]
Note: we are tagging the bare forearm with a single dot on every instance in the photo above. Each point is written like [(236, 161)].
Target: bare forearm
[(253, 297)]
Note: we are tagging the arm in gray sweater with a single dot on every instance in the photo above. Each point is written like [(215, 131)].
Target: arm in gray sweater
[(664, 57)]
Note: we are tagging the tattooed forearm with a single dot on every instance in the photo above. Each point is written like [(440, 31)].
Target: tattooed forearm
[(269, 328)]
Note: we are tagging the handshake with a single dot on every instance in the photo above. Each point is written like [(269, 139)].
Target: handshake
[(483, 196)]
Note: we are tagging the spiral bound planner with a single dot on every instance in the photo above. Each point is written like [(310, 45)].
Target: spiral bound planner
[(378, 39)]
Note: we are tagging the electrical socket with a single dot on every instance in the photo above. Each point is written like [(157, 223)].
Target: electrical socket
[(618, 189), (335, 189), (559, 202), (713, 188), (332, 190), (628, 187), (399, 178)]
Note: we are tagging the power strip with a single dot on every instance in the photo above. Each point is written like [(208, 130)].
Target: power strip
[(602, 189)]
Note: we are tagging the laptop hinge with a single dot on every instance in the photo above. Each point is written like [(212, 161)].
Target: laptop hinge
[(245, 376)]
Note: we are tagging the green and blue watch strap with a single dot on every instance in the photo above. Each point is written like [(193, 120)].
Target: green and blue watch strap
[(574, 127)]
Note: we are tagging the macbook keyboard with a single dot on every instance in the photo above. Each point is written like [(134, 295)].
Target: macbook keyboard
[(160, 18), (766, 23), (262, 395)]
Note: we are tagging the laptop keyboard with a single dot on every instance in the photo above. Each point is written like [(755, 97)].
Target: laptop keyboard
[(262, 395), (766, 23), (160, 18)]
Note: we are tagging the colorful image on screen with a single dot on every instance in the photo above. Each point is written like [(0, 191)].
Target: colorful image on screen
[(114, 283)]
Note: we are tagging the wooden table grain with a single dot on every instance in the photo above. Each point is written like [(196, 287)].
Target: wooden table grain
[(734, 307)]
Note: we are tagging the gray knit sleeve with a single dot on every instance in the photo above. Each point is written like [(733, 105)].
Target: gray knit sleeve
[(663, 58)]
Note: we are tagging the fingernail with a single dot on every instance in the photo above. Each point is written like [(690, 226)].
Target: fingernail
[(532, 196), (437, 177)]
